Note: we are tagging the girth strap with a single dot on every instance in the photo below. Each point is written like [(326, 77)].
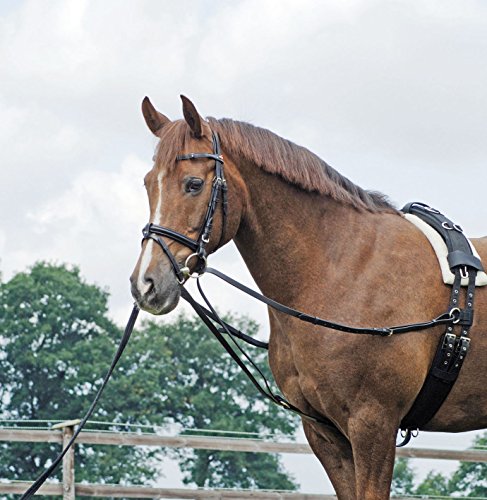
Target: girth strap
[(452, 349)]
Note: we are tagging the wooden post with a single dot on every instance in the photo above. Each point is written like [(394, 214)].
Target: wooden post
[(68, 459)]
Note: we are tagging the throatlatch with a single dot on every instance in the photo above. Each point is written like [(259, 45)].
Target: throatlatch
[(455, 343)]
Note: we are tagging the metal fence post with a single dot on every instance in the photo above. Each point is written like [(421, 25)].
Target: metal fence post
[(68, 459)]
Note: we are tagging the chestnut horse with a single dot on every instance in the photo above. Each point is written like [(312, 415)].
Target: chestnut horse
[(315, 241)]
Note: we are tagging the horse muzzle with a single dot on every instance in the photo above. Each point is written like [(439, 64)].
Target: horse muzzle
[(156, 291)]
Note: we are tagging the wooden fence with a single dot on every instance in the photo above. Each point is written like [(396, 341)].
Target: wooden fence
[(70, 490)]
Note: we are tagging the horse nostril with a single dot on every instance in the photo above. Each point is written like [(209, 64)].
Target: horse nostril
[(141, 287), (148, 286)]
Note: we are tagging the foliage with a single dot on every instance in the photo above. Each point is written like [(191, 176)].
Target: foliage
[(202, 388), (57, 342), (403, 478), (469, 480), (434, 484)]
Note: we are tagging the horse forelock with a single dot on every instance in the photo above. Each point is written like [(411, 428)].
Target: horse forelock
[(295, 164), (172, 139)]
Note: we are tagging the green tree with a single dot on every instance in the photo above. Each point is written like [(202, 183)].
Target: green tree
[(403, 478), (200, 387), (470, 479), (56, 344), (435, 484)]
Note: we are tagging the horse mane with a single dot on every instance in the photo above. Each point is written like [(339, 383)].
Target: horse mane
[(275, 155), (295, 164)]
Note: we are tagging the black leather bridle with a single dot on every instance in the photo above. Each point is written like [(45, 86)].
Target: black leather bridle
[(198, 246)]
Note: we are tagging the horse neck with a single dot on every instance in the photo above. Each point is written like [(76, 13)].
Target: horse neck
[(289, 237)]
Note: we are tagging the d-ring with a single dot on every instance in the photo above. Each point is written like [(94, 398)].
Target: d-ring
[(455, 312), (185, 270)]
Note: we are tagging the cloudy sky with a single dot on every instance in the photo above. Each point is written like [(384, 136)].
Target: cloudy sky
[(391, 93)]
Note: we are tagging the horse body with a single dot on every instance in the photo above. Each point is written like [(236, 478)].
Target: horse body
[(360, 269), (336, 252)]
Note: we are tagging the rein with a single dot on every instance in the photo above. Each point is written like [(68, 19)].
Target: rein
[(31, 491)]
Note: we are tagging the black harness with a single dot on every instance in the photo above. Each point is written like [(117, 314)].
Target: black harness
[(455, 343)]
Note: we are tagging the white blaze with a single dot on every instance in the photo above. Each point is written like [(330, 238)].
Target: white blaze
[(146, 258)]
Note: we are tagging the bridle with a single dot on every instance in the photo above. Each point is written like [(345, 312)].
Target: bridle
[(198, 246)]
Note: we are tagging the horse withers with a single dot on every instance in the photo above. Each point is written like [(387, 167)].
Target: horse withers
[(315, 241)]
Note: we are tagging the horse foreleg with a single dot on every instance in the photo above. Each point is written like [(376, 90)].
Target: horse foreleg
[(335, 454), (372, 434)]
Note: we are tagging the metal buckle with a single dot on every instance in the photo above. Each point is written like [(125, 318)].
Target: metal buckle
[(464, 272), (430, 209)]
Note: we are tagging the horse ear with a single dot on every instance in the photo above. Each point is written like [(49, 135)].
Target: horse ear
[(155, 120), (192, 117)]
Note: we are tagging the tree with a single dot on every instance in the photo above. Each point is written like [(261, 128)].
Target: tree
[(201, 387), (403, 478), (470, 478), (435, 484), (56, 344)]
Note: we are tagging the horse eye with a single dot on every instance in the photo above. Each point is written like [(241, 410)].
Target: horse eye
[(193, 185)]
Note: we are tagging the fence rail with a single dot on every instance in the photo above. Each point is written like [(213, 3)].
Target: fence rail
[(217, 443), (69, 490)]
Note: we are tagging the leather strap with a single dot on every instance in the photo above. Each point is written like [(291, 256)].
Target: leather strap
[(169, 233), (264, 391), (31, 491), (446, 318), (200, 156), (170, 256)]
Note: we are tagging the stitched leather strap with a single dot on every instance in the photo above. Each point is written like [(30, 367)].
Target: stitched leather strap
[(443, 319), (265, 392), (169, 233), (123, 343)]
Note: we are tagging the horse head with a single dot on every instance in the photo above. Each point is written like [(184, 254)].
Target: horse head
[(186, 221)]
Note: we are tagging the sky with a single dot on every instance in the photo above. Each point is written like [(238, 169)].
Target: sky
[(391, 93)]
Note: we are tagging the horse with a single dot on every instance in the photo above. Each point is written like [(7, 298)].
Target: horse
[(315, 241)]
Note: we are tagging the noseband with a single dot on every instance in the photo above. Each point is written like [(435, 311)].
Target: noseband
[(198, 246)]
